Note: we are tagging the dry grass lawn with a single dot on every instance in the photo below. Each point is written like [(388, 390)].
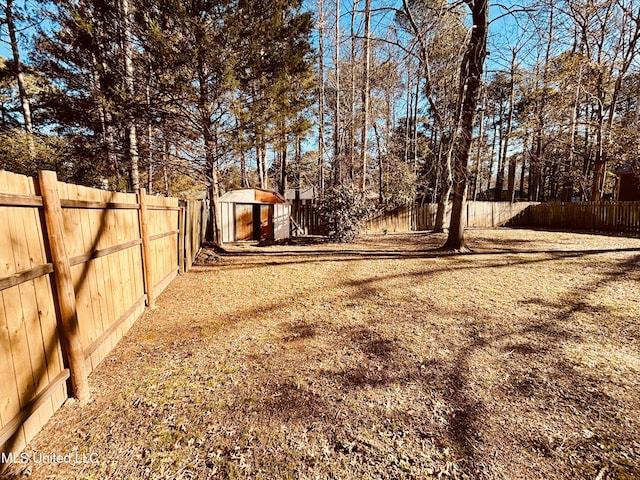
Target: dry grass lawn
[(382, 359)]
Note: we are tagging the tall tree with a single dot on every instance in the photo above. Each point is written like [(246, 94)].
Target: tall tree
[(434, 25), (321, 98), (10, 13), (130, 84), (366, 92), (471, 71), (337, 146)]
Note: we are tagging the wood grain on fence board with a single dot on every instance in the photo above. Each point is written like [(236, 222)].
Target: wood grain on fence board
[(602, 216), (94, 241)]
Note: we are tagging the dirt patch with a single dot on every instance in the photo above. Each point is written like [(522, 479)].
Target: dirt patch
[(380, 359)]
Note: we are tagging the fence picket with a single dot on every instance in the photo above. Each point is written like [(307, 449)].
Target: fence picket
[(48, 335), (623, 217)]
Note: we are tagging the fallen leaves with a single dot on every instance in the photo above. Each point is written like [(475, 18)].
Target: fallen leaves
[(380, 359)]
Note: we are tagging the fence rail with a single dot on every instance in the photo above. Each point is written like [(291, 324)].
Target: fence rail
[(592, 216), (77, 266), (305, 219), (474, 215), (396, 220), (407, 218)]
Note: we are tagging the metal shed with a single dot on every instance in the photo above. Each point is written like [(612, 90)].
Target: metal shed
[(254, 214), (628, 183)]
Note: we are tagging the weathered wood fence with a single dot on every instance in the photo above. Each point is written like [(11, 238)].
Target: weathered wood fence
[(396, 220), (306, 220), (475, 214), (77, 266), (592, 216), (407, 218)]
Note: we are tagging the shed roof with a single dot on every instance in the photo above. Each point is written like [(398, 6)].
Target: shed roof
[(252, 195), (629, 168)]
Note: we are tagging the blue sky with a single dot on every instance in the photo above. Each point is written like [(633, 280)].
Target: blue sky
[(504, 32)]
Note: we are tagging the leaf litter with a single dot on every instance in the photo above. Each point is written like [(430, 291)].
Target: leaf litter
[(382, 359)]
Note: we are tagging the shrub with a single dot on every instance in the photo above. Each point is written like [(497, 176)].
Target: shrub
[(343, 212)]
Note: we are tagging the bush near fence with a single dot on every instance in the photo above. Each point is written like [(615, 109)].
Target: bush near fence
[(77, 266)]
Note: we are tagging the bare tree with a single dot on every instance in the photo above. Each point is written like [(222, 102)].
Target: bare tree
[(337, 151), (471, 71), (130, 79), (366, 91), (9, 14), (321, 98)]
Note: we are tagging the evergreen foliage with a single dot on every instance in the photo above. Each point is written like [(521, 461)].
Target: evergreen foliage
[(225, 94)]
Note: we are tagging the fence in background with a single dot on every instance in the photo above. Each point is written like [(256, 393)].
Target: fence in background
[(592, 216), (407, 218), (196, 216), (396, 220), (305, 219), (77, 266), (475, 214)]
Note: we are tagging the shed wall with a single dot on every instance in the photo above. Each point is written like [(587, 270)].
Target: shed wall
[(281, 221), (228, 222)]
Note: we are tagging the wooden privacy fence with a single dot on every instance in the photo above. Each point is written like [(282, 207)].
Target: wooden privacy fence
[(407, 218), (396, 220), (77, 266), (475, 214), (593, 216), (306, 220), (196, 216)]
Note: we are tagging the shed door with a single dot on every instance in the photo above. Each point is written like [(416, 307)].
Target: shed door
[(266, 222), (263, 218), (244, 222)]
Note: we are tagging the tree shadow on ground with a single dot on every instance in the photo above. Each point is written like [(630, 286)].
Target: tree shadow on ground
[(336, 382), (541, 375)]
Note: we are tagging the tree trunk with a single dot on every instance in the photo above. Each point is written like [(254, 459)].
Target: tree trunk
[(479, 144), (261, 159), (407, 122), (469, 89), (380, 163), (215, 206), (19, 75), (130, 88), (497, 194), (321, 99), (493, 153), (446, 182), (165, 162), (415, 124), (567, 189), (244, 178), (336, 128), (352, 126), (535, 168), (150, 159), (149, 141), (366, 91), (107, 138), (511, 178), (282, 186), (599, 163)]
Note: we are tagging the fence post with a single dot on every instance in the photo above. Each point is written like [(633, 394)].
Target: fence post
[(182, 240), (68, 320), (146, 250)]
